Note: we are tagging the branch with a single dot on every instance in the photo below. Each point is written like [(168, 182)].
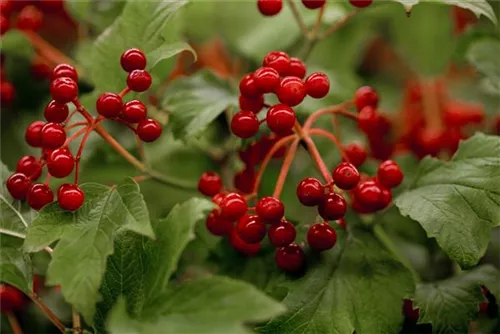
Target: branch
[(52, 317), (298, 18)]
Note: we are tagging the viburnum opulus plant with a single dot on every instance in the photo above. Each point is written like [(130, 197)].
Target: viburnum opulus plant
[(270, 166)]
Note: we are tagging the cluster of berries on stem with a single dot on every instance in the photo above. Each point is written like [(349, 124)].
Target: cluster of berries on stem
[(274, 7)]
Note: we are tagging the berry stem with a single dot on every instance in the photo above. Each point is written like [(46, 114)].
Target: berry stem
[(52, 317), (331, 137), (82, 145), (298, 18), (74, 136), (319, 20), (69, 117), (140, 149), (77, 324), (290, 154), (14, 324), (47, 179), (337, 25), (339, 109), (124, 92), (75, 125), (119, 120), (83, 111), (431, 108)]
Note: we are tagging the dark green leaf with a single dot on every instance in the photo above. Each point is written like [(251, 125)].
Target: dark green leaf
[(15, 268), (483, 55), (16, 44), (12, 222)]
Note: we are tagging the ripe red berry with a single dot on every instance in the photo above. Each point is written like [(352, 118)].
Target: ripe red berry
[(266, 79), (317, 85), (39, 195), (56, 112), (410, 313), (217, 225), (241, 246), (133, 59), (270, 209), (29, 166), (366, 96), (134, 111), (280, 119), (389, 174), (291, 91), (361, 3), (341, 222), (149, 130), (218, 198), (52, 135), (321, 237), (33, 135), (51, 5), (18, 185), (368, 121), (346, 176), (313, 4), (233, 206), (40, 70), (64, 71), (30, 18), (109, 105), (139, 80), (269, 7), (356, 154), (371, 195), (7, 92), (210, 184), (245, 124), (251, 229), (248, 88), (310, 192), (332, 207), (63, 90), (253, 105), (278, 60), (290, 258), (244, 180), (60, 163), (4, 24), (70, 197), (12, 299), (297, 68), (281, 233)]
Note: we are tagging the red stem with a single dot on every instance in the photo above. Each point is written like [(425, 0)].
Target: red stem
[(75, 125), (82, 145), (74, 136), (124, 92), (331, 137), (339, 109), (83, 111), (290, 154)]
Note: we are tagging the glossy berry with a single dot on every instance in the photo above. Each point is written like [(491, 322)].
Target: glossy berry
[(269, 7), (12, 299), (310, 192), (64, 71), (313, 4), (366, 96), (7, 92), (210, 184), (60, 163), (133, 59), (341, 222), (56, 112), (361, 3), (280, 119), (30, 18), (134, 111), (233, 206), (278, 60), (244, 180), (149, 130), (63, 90), (139, 80), (270, 209), (109, 105), (29, 166), (251, 229), (245, 124), (291, 91), (33, 135), (321, 237), (290, 258), (18, 185), (266, 79), (346, 176), (389, 174), (356, 154), (317, 85), (254, 105), (39, 195), (4, 24), (52, 135), (371, 195), (248, 88), (297, 68), (217, 225), (243, 247), (368, 121), (332, 207), (281, 233), (70, 197)]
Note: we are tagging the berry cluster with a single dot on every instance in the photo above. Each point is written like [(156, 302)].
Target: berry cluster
[(274, 7), (51, 136)]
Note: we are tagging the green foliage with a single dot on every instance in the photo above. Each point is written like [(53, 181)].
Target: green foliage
[(15, 268), (483, 55), (16, 44)]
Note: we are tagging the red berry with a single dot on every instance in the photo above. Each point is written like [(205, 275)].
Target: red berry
[(60, 163), (248, 88), (278, 60), (70, 197), (280, 119), (29, 166), (313, 4), (371, 195), (233, 206), (290, 258), (291, 91), (356, 154), (149, 130), (218, 198), (385, 198), (389, 174), (134, 111), (64, 90), (56, 112), (269, 7), (341, 222), (346, 176), (4, 24), (245, 124), (217, 225), (368, 121), (30, 18), (317, 85), (321, 237), (139, 80), (33, 135), (7, 6), (332, 207), (210, 184), (366, 96), (18, 185), (251, 229), (244, 180), (7, 92), (254, 105), (51, 5), (297, 68), (39, 195), (52, 135), (40, 70), (133, 59), (109, 105), (270, 209), (281, 233), (252, 154), (266, 79), (361, 3), (410, 313), (64, 71), (310, 192), (12, 299), (241, 246)]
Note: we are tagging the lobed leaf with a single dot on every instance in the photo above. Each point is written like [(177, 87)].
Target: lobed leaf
[(15, 268), (483, 55)]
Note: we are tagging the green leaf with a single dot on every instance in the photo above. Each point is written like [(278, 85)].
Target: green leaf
[(15, 268), (451, 305), (195, 101), (12, 222), (79, 10), (357, 287), (214, 305), (483, 55), (86, 239), (16, 44), (458, 202)]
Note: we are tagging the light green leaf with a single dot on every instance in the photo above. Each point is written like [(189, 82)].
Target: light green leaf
[(15, 268), (483, 54), (86, 239), (16, 44), (458, 202), (195, 101), (79, 10)]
